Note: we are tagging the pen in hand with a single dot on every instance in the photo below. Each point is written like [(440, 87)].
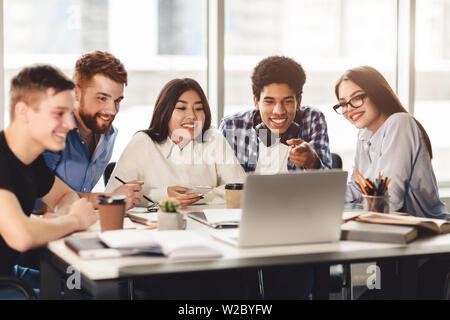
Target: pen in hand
[(145, 197)]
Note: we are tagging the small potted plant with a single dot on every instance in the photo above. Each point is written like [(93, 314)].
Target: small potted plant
[(169, 218)]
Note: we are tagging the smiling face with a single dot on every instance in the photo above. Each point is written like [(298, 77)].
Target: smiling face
[(368, 115), (188, 117), (99, 102), (278, 105), (50, 122)]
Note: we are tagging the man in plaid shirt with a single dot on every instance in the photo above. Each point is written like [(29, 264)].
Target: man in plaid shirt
[(277, 84), (280, 136)]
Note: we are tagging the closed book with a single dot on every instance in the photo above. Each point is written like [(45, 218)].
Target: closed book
[(94, 248), (91, 248), (360, 231)]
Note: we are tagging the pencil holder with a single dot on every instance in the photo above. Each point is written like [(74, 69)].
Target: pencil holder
[(376, 203)]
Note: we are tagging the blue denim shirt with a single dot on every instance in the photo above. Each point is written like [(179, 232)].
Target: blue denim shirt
[(73, 165)]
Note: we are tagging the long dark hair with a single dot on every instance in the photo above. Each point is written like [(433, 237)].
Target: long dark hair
[(165, 104), (380, 92)]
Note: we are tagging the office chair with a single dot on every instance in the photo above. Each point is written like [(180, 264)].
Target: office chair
[(107, 173), (336, 161), (13, 284)]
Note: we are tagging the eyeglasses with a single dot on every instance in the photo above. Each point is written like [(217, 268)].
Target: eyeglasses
[(355, 102)]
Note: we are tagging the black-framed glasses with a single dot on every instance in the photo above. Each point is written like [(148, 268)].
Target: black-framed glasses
[(355, 102)]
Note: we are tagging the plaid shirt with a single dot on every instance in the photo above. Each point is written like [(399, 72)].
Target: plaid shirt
[(239, 131)]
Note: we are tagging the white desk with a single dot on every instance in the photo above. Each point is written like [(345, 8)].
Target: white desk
[(99, 276)]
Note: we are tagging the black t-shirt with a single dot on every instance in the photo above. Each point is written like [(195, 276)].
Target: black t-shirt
[(27, 182)]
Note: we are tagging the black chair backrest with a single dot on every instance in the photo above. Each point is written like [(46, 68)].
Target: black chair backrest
[(107, 173), (336, 161)]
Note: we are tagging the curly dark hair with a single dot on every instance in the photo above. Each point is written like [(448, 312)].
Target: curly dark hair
[(278, 69)]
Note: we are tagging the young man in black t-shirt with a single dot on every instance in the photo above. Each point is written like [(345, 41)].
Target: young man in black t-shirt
[(41, 106)]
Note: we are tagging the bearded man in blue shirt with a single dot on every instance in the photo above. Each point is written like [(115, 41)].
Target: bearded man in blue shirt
[(99, 79)]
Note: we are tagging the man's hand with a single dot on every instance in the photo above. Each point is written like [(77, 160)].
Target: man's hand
[(132, 190), (179, 193), (302, 154), (84, 212)]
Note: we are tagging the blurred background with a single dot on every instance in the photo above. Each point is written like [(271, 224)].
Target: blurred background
[(159, 40)]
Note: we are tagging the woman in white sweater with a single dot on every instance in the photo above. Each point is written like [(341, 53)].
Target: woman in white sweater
[(179, 150)]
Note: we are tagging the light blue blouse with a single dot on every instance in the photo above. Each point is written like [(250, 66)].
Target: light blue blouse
[(398, 150)]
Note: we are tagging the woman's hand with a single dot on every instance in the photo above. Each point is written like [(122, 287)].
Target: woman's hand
[(180, 194), (132, 190)]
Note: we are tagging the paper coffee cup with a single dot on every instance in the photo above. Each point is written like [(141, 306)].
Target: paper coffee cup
[(111, 211), (233, 195)]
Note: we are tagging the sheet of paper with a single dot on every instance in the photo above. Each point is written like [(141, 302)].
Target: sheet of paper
[(223, 215)]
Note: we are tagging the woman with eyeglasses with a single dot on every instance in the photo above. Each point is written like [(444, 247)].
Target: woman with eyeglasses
[(390, 142)]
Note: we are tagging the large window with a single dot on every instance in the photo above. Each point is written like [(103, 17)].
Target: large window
[(432, 103), (156, 40), (326, 36), (162, 39)]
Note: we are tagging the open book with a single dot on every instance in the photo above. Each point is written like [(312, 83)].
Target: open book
[(433, 225), (175, 244)]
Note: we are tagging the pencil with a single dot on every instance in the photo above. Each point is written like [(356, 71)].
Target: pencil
[(361, 185), (145, 197), (386, 185), (362, 177)]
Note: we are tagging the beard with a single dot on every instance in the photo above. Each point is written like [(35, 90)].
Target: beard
[(90, 120)]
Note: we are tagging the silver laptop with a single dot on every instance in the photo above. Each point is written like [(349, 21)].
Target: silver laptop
[(292, 208)]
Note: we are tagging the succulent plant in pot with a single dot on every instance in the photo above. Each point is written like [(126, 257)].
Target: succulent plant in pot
[(169, 218), (169, 205)]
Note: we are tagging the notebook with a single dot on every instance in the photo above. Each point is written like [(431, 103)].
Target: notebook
[(360, 231), (218, 218), (293, 208), (143, 217)]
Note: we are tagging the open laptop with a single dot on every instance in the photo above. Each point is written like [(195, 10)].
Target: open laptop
[(292, 208)]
